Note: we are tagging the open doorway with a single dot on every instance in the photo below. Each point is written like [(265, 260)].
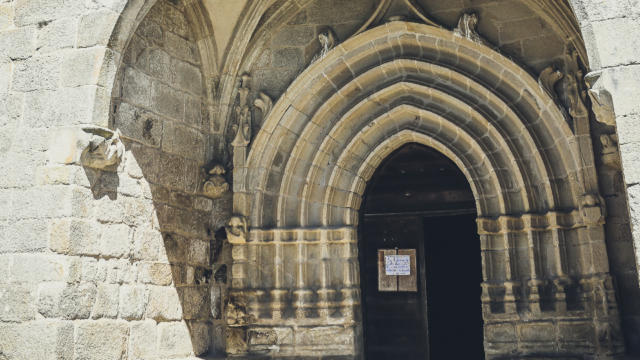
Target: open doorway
[(420, 260)]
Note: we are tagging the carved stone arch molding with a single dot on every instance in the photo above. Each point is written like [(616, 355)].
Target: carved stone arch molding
[(546, 288)]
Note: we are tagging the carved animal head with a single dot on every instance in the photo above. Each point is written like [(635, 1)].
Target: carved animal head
[(470, 20), (104, 148)]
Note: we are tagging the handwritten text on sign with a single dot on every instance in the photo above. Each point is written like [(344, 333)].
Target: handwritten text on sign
[(397, 265)]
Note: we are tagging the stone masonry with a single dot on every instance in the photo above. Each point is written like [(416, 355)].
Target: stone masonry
[(113, 113), (108, 264)]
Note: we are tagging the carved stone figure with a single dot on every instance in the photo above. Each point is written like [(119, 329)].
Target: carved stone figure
[(601, 100), (264, 103), (548, 79), (103, 150), (216, 185), (237, 229), (468, 28), (573, 93), (592, 208), (242, 127), (610, 156), (327, 41), (236, 312)]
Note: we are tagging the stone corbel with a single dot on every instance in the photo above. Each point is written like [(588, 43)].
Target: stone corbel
[(91, 146), (216, 185), (104, 150), (601, 100)]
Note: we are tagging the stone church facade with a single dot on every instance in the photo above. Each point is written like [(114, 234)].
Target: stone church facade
[(186, 178)]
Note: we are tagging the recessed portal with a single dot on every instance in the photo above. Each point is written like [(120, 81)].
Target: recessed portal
[(420, 260)]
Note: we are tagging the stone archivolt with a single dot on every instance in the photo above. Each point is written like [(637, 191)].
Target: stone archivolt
[(542, 246)]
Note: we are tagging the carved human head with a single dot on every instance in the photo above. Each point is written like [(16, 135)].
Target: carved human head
[(237, 226)]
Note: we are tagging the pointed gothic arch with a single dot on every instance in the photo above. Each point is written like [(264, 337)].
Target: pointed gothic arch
[(302, 182)]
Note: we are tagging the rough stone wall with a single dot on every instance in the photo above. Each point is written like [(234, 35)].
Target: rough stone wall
[(56, 303), (610, 30), (57, 65), (103, 264), (160, 106), (290, 40), (287, 50)]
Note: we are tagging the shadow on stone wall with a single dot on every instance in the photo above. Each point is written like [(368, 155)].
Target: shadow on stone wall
[(176, 248), (161, 107)]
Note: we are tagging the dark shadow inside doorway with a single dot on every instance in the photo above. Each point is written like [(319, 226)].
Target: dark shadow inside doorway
[(419, 200)]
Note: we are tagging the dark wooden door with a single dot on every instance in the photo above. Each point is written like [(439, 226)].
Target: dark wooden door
[(395, 323), (454, 274)]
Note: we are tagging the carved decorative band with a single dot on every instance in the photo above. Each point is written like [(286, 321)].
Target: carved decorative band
[(301, 306), (550, 298), (533, 222), (486, 225), (302, 235)]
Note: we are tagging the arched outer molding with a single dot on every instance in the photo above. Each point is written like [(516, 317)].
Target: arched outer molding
[(562, 17), (510, 116), (411, 123), (590, 54), (130, 18), (353, 199), (398, 83)]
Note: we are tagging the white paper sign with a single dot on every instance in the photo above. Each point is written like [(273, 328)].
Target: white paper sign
[(397, 265)]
